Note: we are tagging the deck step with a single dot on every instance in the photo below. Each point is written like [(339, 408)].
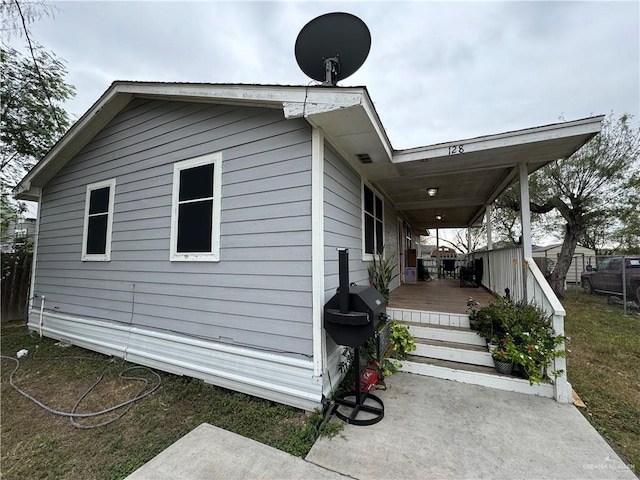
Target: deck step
[(472, 374), (444, 333), (457, 352), (428, 317)]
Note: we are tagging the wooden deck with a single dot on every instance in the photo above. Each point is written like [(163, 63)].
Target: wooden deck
[(439, 295)]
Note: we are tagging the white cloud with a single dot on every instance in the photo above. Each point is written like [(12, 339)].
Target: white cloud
[(437, 71)]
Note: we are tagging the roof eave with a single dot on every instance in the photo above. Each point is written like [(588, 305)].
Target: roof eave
[(587, 126), (295, 101)]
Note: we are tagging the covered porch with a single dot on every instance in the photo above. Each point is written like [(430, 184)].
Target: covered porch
[(438, 295), (436, 313), (453, 185)]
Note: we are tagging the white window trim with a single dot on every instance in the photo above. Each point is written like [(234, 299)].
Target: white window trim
[(214, 254), (106, 256), (368, 257)]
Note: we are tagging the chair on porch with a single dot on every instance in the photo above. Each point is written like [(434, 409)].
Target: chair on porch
[(449, 267)]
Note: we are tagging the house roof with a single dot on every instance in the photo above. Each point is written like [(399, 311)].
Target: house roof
[(546, 248), (469, 173)]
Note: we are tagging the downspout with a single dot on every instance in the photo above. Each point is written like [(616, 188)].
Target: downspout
[(317, 251), (41, 322)]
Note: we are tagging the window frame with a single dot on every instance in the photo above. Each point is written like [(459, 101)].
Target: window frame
[(213, 255), (369, 256), (106, 256)]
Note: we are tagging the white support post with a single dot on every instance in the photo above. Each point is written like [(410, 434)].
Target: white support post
[(437, 253), (525, 218), (487, 216), (525, 211)]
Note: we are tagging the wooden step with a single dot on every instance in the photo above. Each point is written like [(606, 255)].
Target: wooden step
[(472, 374), (452, 351), (444, 333)]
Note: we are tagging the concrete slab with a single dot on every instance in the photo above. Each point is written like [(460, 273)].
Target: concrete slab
[(447, 430), (210, 452)]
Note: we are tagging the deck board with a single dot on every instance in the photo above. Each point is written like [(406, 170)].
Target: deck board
[(439, 295)]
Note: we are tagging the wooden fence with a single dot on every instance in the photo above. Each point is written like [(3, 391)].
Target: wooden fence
[(16, 276)]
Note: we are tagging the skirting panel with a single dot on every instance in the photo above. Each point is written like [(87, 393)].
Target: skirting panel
[(275, 377)]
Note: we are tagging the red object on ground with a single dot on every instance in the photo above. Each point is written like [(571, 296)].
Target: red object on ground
[(368, 378)]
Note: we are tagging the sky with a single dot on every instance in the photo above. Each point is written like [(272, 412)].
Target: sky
[(436, 72)]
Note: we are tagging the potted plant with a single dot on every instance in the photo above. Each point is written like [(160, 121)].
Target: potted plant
[(472, 310), (531, 342), (490, 320), (381, 274), (536, 354), (503, 356)]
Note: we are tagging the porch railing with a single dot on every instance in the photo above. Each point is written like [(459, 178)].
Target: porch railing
[(507, 268)]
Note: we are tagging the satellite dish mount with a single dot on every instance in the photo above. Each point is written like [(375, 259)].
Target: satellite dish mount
[(331, 70), (332, 47)]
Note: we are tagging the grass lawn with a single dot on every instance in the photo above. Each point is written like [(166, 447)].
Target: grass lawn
[(37, 444), (603, 367)]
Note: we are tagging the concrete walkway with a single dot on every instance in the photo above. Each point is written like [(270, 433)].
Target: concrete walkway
[(432, 428)]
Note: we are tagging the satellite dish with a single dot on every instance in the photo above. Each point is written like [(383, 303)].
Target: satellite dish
[(332, 47)]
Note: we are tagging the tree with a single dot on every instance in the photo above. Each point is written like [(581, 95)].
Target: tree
[(32, 117), (590, 190), (32, 94)]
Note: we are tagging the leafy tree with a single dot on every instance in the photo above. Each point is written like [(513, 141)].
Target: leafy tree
[(32, 93), (592, 191), (32, 117), (618, 230)]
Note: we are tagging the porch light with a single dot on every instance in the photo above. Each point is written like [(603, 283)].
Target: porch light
[(438, 217), (432, 192)]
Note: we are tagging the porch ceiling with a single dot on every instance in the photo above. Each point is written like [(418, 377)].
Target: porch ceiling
[(469, 181)]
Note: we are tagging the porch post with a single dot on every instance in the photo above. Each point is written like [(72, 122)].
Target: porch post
[(525, 219), (437, 253), (487, 215), (525, 211)]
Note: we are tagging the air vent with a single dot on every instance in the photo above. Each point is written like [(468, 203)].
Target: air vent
[(364, 158)]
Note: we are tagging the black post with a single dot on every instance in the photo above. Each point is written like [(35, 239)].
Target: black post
[(356, 368), (343, 275)]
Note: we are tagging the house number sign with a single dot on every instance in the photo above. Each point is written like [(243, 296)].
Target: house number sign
[(456, 149)]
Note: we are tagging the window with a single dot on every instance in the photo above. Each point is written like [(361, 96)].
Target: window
[(195, 213), (98, 217), (373, 224), (615, 264)]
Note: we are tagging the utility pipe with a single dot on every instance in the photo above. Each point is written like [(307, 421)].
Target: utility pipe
[(41, 323)]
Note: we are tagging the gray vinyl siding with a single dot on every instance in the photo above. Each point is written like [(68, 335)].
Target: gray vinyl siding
[(258, 295), (342, 222)]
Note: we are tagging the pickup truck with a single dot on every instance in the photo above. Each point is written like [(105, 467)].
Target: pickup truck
[(607, 277)]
